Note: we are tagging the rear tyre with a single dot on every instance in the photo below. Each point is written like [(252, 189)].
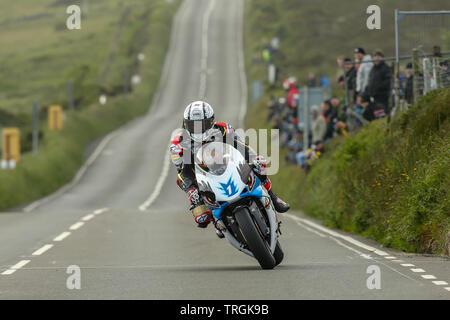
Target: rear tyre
[(254, 239), (278, 254)]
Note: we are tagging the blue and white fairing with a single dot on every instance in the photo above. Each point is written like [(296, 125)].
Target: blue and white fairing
[(222, 172)]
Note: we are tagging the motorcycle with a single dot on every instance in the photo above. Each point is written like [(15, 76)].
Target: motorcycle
[(241, 206)]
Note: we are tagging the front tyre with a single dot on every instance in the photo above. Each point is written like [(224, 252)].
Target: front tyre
[(278, 254), (254, 239)]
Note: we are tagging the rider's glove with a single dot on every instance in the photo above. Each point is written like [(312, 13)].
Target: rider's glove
[(194, 197), (202, 215), (259, 165)]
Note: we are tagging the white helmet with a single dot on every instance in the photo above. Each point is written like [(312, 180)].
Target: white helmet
[(198, 120)]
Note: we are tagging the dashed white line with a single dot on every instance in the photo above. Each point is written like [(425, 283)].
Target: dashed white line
[(40, 251), (407, 265), (62, 236), (76, 226), (15, 267), (159, 184), (100, 211), (440, 283), (333, 235), (87, 217)]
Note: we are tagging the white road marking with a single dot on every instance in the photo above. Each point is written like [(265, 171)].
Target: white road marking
[(100, 211), (79, 174), (311, 230), (243, 75), (159, 184), (43, 249), (204, 60), (62, 236), (15, 267), (87, 217), (204, 57), (440, 283), (447, 288), (76, 226), (337, 235), (333, 235)]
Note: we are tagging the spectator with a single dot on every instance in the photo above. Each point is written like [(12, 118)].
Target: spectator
[(379, 86), (327, 114), (311, 83), (294, 147), (350, 78), (409, 87), (319, 125), (371, 110), (293, 98), (332, 116), (362, 75)]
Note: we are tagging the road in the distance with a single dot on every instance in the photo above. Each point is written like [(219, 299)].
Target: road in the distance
[(126, 253)]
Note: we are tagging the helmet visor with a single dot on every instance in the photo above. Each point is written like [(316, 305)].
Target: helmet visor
[(198, 126)]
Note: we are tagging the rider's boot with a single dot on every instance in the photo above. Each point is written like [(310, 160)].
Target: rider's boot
[(280, 205), (220, 234)]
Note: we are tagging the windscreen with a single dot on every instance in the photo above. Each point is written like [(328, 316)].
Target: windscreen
[(214, 157)]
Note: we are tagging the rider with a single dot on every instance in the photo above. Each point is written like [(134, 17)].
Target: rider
[(199, 128)]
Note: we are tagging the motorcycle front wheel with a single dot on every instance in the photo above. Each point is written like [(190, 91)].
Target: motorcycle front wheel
[(255, 241)]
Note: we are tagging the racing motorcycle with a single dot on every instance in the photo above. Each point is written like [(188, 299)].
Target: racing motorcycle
[(241, 206)]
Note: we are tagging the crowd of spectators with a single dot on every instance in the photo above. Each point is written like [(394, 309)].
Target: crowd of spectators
[(368, 81)]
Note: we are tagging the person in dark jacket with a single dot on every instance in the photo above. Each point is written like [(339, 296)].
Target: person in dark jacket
[(350, 74), (379, 87), (409, 85)]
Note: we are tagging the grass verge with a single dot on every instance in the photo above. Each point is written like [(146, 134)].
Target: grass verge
[(62, 153), (387, 183)]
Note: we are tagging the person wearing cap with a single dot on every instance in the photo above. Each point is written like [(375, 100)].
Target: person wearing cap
[(409, 86), (379, 86), (362, 76), (371, 111), (319, 125)]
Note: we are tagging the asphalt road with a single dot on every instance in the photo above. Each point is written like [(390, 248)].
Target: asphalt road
[(157, 252)]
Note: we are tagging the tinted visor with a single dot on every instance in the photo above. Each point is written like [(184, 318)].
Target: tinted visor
[(198, 126)]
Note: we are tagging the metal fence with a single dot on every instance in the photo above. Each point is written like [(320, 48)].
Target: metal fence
[(429, 71)]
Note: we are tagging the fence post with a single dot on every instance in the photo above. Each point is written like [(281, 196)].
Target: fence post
[(416, 71), (436, 72), (70, 95), (35, 128), (396, 91), (305, 119)]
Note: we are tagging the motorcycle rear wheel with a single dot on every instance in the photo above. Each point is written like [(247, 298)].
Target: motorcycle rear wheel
[(254, 239)]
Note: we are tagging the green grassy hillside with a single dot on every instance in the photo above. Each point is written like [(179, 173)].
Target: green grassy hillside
[(39, 58), (390, 184)]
